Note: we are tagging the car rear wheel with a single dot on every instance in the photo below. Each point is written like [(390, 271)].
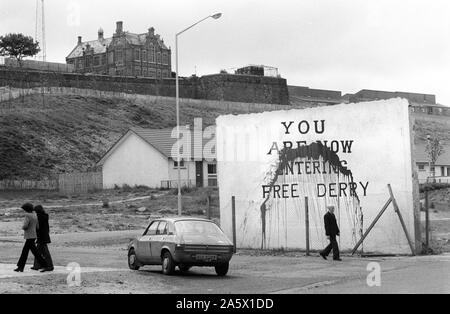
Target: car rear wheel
[(132, 260), (184, 268), (222, 269), (168, 265)]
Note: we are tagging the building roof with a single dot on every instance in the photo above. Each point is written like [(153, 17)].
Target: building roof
[(162, 140), (100, 45), (421, 155)]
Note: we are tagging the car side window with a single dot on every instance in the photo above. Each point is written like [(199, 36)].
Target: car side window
[(162, 228), (152, 228)]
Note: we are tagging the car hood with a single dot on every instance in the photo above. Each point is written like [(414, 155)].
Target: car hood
[(205, 239)]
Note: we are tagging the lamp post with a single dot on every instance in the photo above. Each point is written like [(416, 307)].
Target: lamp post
[(214, 16)]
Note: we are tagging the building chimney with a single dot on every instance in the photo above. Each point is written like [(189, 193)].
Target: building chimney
[(100, 34), (119, 27), (79, 40), (151, 31)]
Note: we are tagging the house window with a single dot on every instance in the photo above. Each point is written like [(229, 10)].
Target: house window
[(165, 74), (165, 59), (159, 74), (175, 164), (448, 172), (158, 57), (137, 55), (152, 73), (212, 174), (443, 171), (421, 167), (103, 59), (96, 61)]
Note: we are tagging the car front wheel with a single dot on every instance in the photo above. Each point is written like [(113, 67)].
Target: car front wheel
[(168, 265), (132, 260), (222, 269)]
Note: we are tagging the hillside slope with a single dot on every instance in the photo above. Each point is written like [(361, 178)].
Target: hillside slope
[(71, 133)]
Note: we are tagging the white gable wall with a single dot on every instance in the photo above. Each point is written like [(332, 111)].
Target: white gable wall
[(135, 162)]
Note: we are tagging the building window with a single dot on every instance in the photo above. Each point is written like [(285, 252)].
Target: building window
[(165, 59), (152, 73), (165, 74), (137, 71), (103, 60), (443, 171), (421, 167), (144, 55), (159, 74), (158, 58), (89, 61), (151, 57), (175, 164), (119, 55), (448, 172), (96, 61), (137, 55)]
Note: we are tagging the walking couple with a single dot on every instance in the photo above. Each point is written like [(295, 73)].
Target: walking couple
[(36, 231)]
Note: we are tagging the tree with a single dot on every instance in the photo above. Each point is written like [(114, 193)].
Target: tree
[(18, 46), (434, 149)]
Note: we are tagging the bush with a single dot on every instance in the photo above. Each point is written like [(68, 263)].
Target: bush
[(433, 186)]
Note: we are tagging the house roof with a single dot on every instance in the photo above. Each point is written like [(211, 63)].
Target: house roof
[(100, 45), (162, 140), (421, 155)]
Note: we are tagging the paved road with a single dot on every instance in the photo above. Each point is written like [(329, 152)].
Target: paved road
[(102, 257)]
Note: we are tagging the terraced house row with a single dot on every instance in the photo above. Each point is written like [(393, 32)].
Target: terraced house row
[(124, 54)]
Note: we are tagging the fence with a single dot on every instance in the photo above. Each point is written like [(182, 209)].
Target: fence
[(68, 183), (172, 184), (49, 185), (79, 183)]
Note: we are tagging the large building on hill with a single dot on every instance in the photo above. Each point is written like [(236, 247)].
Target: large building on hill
[(124, 54)]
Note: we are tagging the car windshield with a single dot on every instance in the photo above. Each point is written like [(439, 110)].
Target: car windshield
[(197, 227)]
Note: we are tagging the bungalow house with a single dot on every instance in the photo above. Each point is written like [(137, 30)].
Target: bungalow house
[(425, 169), (149, 157)]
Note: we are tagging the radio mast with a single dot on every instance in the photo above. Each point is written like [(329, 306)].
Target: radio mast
[(40, 29)]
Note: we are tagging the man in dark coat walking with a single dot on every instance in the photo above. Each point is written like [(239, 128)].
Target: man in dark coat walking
[(331, 231), (43, 238)]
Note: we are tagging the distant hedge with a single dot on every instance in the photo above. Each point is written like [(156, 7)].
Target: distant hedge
[(433, 186)]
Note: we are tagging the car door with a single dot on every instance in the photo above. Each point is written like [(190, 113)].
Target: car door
[(158, 240), (143, 251)]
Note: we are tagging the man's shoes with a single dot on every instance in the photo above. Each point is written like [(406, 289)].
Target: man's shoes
[(43, 270), (337, 259), (19, 270), (323, 256), (34, 268)]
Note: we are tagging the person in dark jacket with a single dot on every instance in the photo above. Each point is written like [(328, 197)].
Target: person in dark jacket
[(29, 227), (331, 231), (43, 239)]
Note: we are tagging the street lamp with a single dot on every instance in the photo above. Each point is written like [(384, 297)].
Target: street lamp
[(214, 16)]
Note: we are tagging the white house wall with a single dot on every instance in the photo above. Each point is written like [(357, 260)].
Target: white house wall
[(135, 162)]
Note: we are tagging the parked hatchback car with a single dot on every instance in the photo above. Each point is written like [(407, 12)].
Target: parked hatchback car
[(182, 242)]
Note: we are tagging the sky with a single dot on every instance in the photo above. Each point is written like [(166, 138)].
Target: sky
[(346, 45)]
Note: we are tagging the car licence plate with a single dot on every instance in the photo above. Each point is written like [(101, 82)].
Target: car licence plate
[(206, 258)]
